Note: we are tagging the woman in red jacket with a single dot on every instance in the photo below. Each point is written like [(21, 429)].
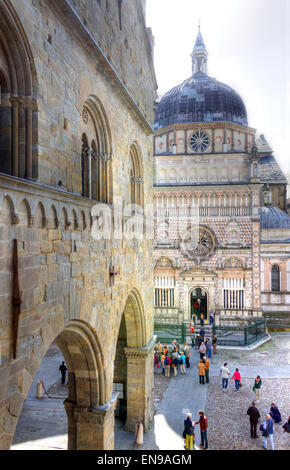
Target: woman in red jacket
[(237, 378)]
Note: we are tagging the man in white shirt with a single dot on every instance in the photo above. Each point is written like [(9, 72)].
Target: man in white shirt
[(225, 374)]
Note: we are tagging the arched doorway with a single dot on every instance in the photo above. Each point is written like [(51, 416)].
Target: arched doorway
[(89, 418), (133, 366), (199, 303)]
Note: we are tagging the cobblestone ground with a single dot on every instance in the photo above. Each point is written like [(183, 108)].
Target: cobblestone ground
[(160, 387), (229, 427), (275, 352)]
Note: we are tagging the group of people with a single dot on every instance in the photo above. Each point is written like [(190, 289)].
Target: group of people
[(189, 431), (267, 427), (172, 358)]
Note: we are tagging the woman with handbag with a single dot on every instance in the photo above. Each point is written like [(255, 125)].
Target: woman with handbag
[(237, 378)]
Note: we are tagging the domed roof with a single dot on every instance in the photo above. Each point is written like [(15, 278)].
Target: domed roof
[(273, 218), (200, 99)]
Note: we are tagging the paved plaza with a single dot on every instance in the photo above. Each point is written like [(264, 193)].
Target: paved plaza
[(43, 423)]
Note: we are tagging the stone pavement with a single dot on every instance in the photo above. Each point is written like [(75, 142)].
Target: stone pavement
[(46, 419), (43, 422)]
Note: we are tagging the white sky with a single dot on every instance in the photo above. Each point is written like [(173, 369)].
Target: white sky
[(248, 42)]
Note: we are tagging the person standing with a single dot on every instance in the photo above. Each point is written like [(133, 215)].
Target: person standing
[(203, 429), (162, 363), (214, 343), (189, 432), (175, 364), (187, 355), (268, 432), (286, 426), (197, 341), (63, 370), (167, 362), (225, 374), (202, 350), (182, 363), (275, 413), (208, 347), (202, 320), (257, 387), (237, 378), (201, 334), (206, 368), (254, 414), (201, 371)]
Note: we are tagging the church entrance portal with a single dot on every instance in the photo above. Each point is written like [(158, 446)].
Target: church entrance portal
[(199, 303)]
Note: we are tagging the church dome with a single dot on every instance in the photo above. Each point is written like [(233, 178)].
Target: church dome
[(274, 218), (200, 98)]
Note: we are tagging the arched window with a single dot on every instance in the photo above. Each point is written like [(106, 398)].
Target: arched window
[(18, 108), (96, 153), (275, 278), (136, 178)]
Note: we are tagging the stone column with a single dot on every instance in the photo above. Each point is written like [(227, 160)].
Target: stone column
[(29, 126), (15, 121), (140, 385), (91, 429)]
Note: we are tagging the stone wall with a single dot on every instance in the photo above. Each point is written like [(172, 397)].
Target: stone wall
[(67, 291)]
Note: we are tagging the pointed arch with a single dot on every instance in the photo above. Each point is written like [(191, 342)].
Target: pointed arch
[(19, 81), (97, 173)]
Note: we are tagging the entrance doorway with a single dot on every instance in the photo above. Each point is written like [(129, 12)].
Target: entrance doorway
[(199, 303)]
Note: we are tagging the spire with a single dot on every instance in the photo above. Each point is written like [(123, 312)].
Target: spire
[(199, 54)]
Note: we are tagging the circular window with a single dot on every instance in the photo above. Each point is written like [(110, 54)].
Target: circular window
[(198, 243), (199, 142)]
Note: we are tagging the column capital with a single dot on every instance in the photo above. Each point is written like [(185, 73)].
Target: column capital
[(141, 353)]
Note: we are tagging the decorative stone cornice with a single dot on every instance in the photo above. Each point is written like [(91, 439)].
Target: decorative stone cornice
[(206, 125), (141, 353)]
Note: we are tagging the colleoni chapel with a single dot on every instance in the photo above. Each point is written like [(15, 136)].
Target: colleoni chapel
[(222, 234)]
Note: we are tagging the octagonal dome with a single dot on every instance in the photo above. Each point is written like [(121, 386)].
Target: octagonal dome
[(200, 99)]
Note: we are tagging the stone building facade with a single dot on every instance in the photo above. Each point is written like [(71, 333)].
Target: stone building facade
[(76, 123), (215, 182)]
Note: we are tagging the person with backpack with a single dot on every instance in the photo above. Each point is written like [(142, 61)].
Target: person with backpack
[(175, 364), (203, 429), (268, 432), (167, 362), (188, 432)]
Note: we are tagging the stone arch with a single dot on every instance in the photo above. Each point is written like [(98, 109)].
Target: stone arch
[(83, 220), (75, 220), (64, 222), (18, 109), (25, 213), (135, 321), (8, 209), (133, 363), (85, 408), (136, 172), (97, 148), (40, 216), (53, 221)]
